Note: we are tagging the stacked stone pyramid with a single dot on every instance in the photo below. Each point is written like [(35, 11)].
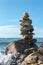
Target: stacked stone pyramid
[(25, 51), (27, 28)]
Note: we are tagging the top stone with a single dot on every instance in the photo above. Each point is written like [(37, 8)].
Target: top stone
[(25, 15)]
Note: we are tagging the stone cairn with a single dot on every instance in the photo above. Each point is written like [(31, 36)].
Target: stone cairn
[(27, 28), (25, 51), (23, 47)]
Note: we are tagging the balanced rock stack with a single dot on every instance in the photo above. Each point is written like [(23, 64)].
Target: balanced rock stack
[(27, 28), (23, 47)]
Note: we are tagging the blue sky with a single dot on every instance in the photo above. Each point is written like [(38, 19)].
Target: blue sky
[(11, 11)]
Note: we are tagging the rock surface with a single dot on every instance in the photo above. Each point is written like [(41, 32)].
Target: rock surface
[(35, 58), (30, 59), (20, 50), (25, 54), (21, 47)]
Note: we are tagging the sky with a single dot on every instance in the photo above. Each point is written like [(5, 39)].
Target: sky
[(11, 11)]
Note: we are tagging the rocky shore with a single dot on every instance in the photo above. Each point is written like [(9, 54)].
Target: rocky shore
[(25, 51), (20, 50)]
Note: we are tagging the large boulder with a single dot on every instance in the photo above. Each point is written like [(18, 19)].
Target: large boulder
[(11, 48), (22, 46)]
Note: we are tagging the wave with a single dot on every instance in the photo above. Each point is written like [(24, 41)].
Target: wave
[(5, 59)]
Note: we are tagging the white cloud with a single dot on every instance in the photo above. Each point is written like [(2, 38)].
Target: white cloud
[(14, 32), (13, 20), (9, 32)]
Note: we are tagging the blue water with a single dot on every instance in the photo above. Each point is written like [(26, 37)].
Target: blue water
[(5, 41), (39, 41)]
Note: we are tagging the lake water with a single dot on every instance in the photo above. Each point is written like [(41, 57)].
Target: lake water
[(5, 41)]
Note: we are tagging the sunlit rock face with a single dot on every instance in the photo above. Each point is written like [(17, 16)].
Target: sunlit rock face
[(30, 59), (35, 58)]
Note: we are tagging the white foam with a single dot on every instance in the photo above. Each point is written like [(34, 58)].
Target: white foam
[(5, 59)]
